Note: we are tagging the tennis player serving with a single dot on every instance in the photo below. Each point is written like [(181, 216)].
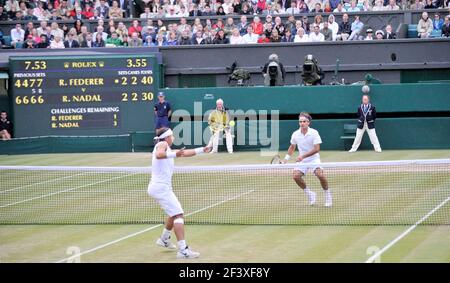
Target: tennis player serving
[(160, 188), (308, 141)]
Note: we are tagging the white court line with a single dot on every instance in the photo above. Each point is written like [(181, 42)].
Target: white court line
[(148, 229), (39, 183), (406, 232), (64, 191)]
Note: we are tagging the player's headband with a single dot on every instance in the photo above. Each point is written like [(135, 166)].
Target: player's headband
[(306, 117), (164, 135)]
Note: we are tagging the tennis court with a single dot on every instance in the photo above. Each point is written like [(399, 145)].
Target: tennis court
[(359, 223)]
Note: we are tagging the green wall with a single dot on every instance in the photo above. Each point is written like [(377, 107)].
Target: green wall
[(393, 133), (415, 76), (410, 132), (53, 144), (390, 99), (317, 100), (399, 133), (136, 141)]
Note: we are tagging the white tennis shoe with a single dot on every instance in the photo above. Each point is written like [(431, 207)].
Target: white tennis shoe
[(328, 200), (312, 198), (187, 253), (165, 244)]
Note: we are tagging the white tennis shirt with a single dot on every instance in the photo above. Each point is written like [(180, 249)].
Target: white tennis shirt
[(162, 169), (306, 142)]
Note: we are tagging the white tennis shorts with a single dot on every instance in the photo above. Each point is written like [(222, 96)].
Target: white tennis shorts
[(302, 166), (165, 197)]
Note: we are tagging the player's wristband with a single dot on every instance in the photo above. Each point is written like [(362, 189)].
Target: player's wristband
[(171, 154), (287, 157), (199, 150)]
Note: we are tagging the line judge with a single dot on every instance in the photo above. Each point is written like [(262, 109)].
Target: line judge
[(163, 111), (367, 115)]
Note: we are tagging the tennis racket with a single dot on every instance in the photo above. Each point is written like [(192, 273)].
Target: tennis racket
[(275, 160), (219, 129), (216, 127)]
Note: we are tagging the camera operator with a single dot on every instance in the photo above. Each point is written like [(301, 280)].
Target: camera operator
[(273, 72)]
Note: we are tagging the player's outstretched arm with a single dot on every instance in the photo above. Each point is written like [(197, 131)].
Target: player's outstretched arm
[(291, 150), (196, 151)]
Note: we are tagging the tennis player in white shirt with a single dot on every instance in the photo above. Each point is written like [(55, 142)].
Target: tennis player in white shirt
[(308, 142), (160, 188)]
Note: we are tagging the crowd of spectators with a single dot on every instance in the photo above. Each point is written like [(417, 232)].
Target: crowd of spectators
[(260, 22)]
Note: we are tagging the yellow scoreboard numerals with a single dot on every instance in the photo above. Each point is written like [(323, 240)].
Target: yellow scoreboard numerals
[(27, 100), (132, 81), (144, 96), (148, 80), (137, 63), (132, 96), (35, 65), (25, 83), (147, 96)]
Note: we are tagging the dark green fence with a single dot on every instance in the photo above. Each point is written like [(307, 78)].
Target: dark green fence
[(317, 100), (133, 142), (393, 133)]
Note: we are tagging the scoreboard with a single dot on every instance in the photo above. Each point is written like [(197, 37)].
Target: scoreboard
[(83, 95)]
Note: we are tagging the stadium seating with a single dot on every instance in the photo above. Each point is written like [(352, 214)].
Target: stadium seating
[(349, 135), (436, 34), (7, 40), (412, 31)]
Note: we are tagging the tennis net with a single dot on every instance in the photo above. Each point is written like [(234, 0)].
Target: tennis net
[(364, 193)]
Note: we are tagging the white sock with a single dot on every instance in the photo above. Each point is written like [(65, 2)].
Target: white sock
[(165, 235), (328, 193), (182, 245), (307, 191)]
